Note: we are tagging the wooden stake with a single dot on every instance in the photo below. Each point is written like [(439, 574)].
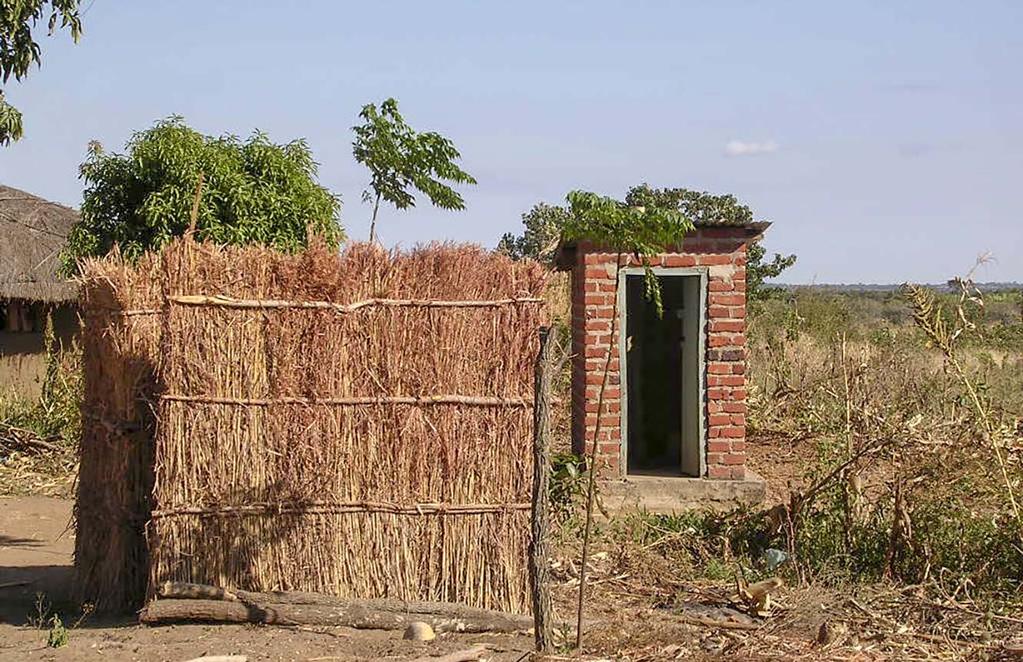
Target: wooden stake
[(539, 553)]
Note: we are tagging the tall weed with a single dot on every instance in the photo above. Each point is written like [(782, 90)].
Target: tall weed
[(916, 428)]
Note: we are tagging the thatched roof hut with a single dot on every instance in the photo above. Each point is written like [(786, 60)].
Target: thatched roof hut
[(33, 232)]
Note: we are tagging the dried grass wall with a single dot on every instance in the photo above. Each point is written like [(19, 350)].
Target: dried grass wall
[(367, 451), (120, 338)]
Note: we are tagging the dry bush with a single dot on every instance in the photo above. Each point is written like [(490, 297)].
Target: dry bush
[(39, 432), (901, 535), (918, 465)]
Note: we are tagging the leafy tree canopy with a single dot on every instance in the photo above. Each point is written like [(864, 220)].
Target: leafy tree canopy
[(699, 207), (400, 160), (705, 207), (252, 191), (543, 225), (757, 271), (19, 49)]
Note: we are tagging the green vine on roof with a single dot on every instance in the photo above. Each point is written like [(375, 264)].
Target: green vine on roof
[(725, 210), (700, 207), (637, 230)]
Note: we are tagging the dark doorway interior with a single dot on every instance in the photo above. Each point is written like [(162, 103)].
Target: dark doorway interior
[(662, 361)]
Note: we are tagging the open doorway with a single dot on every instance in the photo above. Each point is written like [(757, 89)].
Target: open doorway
[(663, 360)]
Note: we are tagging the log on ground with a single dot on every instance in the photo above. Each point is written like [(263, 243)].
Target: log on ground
[(322, 610)]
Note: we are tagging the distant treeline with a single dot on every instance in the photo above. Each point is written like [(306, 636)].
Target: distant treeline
[(874, 287)]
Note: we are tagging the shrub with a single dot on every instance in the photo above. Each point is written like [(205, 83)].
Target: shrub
[(250, 192)]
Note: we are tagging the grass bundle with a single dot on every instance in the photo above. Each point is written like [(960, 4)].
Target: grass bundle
[(120, 305), (365, 451)]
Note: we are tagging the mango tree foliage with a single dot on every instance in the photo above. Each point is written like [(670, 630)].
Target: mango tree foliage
[(19, 49), (701, 207), (758, 271), (400, 159), (253, 192), (543, 225)]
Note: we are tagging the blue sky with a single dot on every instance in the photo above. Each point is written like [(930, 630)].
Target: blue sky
[(884, 139)]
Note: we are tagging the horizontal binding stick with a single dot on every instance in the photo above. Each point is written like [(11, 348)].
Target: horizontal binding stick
[(119, 312), (138, 312), (263, 304), (355, 401), (315, 508)]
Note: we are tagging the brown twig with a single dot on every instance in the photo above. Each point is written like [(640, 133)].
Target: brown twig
[(194, 217)]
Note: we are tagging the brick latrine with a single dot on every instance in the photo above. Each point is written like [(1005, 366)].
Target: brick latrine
[(717, 253)]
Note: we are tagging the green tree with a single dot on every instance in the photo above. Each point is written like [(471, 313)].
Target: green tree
[(757, 271), (543, 225), (703, 208), (19, 49), (400, 159), (251, 191)]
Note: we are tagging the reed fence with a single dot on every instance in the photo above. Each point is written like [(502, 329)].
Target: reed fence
[(358, 425), (120, 350)]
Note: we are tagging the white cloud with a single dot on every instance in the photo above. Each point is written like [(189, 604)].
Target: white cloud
[(742, 148)]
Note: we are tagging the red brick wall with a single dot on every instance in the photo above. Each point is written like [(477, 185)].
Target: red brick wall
[(721, 252)]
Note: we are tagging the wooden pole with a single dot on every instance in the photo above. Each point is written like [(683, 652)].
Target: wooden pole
[(539, 553)]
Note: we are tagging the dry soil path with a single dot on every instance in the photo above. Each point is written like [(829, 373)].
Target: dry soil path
[(36, 549)]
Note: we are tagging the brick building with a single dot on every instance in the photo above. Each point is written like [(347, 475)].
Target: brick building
[(671, 431)]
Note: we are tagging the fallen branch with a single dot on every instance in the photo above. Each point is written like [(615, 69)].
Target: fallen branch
[(26, 441), (715, 623), (177, 604)]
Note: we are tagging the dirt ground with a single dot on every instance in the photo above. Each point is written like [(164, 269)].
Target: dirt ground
[(639, 609), (36, 548), (35, 559)]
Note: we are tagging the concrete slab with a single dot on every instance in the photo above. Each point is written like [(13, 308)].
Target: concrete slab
[(666, 495)]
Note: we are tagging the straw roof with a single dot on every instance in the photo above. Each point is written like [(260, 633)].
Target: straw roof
[(34, 232)]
